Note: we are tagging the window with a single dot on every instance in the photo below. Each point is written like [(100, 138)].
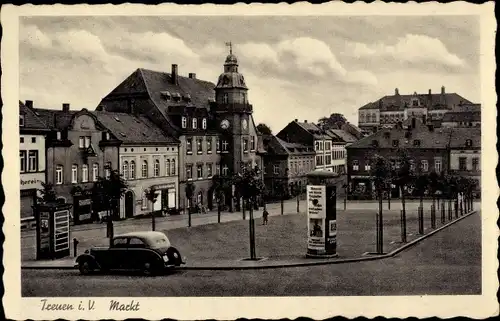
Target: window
[(172, 167), (195, 123), (204, 123), (167, 167), (132, 170), (367, 165), (87, 141), (209, 170), (189, 145), (85, 173), (74, 173), (355, 165), (144, 201), (199, 198), (199, 171), (21, 140), (156, 168), (189, 171), (21, 120), (437, 165), (462, 163), (416, 143), (319, 160), (134, 242), (225, 170), (468, 142), (245, 145), (33, 140), (415, 103), (252, 143), (217, 146), (225, 98), (328, 146), (328, 159), (199, 145), (225, 146), (217, 169), (125, 170), (59, 174), (209, 145), (22, 156), (395, 143), (425, 165), (412, 164), (144, 169), (95, 172), (184, 122), (475, 164), (81, 142), (107, 170), (398, 164)]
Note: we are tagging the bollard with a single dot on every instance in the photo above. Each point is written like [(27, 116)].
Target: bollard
[(75, 247), (461, 208), (443, 215), (455, 207), (450, 214), (420, 220), (433, 216)]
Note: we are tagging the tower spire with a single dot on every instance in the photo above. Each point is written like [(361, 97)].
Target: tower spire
[(230, 45)]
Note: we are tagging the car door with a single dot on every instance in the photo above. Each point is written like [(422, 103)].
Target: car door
[(117, 253), (137, 253)]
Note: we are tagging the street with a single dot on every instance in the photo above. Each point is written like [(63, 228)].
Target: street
[(448, 262)]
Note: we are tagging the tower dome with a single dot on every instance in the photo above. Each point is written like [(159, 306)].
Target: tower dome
[(231, 86)]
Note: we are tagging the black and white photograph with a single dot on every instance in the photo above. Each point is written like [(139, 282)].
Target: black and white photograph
[(169, 154)]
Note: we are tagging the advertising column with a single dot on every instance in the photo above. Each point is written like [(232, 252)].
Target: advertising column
[(321, 221)]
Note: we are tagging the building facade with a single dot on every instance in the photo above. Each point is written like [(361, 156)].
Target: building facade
[(464, 115), (148, 159), (286, 164), (340, 140), (426, 146), (465, 153), (32, 134), (390, 110), (79, 150), (213, 123)]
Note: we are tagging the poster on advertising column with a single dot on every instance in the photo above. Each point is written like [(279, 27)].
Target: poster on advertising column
[(316, 214)]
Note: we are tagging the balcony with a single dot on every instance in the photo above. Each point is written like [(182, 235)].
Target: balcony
[(232, 107)]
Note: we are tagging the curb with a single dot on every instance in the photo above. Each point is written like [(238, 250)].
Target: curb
[(291, 265)]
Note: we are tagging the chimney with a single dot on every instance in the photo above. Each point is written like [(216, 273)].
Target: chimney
[(305, 121), (192, 75), (65, 107), (175, 74), (296, 120), (430, 92), (396, 92), (442, 90), (29, 104)]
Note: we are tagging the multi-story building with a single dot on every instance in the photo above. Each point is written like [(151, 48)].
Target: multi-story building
[(79, 150), (213, 123), (463, 115), (340, 140), (309, 134), (148, 158), (428, 148), (285, 164), (465, 153), (32, 133), (390, 110)]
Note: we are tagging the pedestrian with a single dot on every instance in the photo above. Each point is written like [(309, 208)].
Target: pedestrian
[(265, 215)]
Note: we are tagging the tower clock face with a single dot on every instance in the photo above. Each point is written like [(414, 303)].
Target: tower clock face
[(224, 124), (244, 124)]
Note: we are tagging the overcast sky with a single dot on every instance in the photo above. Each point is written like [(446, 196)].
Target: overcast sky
[(303, 67)]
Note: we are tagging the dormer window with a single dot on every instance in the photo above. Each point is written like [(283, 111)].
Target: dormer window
[(375, 143), (58, 135), (21, 120), (176, 96), (225, 98), (204, 123), (187, 97), (416, 143), (195, 123), (395, 143), (414, 103), (468, 142), (166, 95), (184, 122)]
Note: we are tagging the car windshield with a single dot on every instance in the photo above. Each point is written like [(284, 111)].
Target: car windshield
[(158, 242)]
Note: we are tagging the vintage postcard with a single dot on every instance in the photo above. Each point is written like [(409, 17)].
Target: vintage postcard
[(249, 161)]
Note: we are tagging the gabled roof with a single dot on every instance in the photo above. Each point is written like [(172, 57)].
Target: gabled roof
[(277, 146), (343, 135), (56, 119), (314, 130), (134, 129), (432, 101), (428, 139), (467, 116), (461, 135), (31, 119)]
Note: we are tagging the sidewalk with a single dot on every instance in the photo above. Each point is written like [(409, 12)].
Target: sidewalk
[(226, 254)]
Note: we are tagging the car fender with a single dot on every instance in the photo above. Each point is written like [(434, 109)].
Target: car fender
[(88, 258)]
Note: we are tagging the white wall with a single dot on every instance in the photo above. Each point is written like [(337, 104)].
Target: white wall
[(30, 180)]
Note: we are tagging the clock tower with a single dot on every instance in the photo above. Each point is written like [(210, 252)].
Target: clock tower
[(234, 117)]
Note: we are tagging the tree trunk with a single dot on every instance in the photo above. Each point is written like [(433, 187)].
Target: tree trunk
[(218, 211), (282, 205), (298, 203), (153, 221), (242, 204), (252, 235), (389, 198), (189, 212), (403, 216), (380, 241)]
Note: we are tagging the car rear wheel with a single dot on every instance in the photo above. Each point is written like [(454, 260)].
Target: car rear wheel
[(148, 269), (85, 268)]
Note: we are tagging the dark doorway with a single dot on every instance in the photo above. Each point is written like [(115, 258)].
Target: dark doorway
[(129, 204), (210, 199)]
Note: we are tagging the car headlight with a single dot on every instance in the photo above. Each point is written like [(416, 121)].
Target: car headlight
[(165, 258)]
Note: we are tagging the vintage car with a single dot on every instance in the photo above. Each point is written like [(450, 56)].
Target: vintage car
[(149, 252)]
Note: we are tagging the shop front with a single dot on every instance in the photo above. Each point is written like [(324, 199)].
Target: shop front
[(30, 183), (167, 197)]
